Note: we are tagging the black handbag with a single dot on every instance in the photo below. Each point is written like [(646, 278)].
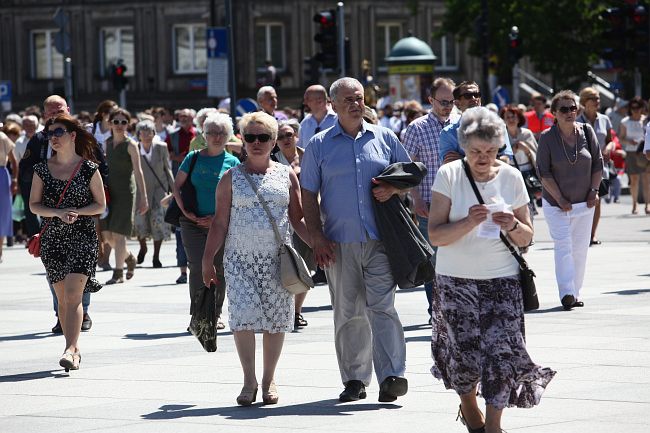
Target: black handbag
[(188, 193), (526, 275), (533, 184), (603, 188), (203, 324)]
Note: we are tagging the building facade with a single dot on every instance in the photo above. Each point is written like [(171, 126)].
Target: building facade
[(163, 45)]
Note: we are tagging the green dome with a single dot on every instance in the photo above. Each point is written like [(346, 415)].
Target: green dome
[(411, 49)]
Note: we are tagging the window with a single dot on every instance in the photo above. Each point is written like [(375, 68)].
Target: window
[(117, 43), (446, 50), (387, 36), (190, 52), (47, 62), (269, 45)]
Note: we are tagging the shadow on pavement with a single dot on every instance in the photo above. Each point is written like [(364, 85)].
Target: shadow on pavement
[(547, 310), (23, 377), (416, 327), (418, 338), (330, 407), (146, 336), (631, 291), (320, 308), (412, 289), (161, 285), (33, 336)]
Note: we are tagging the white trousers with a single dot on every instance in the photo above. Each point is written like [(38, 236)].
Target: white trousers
[(366, 325), (571, 234)]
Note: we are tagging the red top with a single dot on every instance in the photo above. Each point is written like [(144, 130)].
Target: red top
[(537, 125), (184, 139)]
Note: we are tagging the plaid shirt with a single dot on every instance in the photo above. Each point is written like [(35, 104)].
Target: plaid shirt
[(422, 142)]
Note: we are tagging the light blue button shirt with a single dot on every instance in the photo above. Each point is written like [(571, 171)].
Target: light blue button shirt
[(449, 141), (310, 127), (341, 168)]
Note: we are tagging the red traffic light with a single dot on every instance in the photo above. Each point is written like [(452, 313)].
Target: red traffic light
[(325, 18), (640, 15), (119, 71)]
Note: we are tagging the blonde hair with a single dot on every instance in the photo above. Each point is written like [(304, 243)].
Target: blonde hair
[(261, 118), (588, 93)]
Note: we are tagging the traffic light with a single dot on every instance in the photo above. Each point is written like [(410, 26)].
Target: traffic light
[(327, 37), (614, 37), (311, 71), (118, 73), (626, 36), (640, 36), (514, 45)]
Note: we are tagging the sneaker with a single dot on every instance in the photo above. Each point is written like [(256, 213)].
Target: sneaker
[(86, 323), (182, 279)]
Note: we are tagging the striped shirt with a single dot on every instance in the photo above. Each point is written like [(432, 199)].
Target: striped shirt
[(422, 142)]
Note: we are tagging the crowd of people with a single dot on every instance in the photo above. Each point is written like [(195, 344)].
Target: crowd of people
[(87, 184)]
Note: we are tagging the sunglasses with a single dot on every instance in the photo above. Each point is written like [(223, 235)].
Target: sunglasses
[(470, 95), (120, 122), (287, 135), (444, 103), (250, 138), (565, 110), (58, 132)]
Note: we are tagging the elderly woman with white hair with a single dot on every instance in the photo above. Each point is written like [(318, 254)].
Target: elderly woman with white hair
[(204, 168), (478, 341), (158, 180)]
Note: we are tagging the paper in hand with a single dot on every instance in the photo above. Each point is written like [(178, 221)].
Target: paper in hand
[(488, 229)]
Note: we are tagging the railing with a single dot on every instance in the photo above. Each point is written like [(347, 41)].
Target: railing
[(542, 85)]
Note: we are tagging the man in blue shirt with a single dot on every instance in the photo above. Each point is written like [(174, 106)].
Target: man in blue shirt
[(340, 164), (466, 95), (320, 117)]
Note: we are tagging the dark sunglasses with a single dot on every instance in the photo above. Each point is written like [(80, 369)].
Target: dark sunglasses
[(444, 103), (287, 135), (58, 132), (250, 138), (469, 95), (120, 122), (565, 110)]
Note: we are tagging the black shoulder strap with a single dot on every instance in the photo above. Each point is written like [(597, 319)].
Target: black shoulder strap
[(519, 258), (193, 161)]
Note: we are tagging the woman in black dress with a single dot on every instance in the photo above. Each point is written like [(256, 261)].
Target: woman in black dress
[(69, 241)]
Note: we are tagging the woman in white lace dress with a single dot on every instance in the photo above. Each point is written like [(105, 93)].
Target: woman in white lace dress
[(257, 302)]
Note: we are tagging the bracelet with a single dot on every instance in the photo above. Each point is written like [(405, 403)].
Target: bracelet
[(514, 227), (593, 189)]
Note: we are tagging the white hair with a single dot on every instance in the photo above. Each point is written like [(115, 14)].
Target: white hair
[(32, 118), (219, 120), (264, 90), (145, 125), (345, 82), (481, 123)]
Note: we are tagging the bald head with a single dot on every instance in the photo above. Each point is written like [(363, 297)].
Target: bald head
[(53, 106), (316, 98)]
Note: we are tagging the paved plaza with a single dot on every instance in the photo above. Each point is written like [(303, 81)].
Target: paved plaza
[(141, 372)]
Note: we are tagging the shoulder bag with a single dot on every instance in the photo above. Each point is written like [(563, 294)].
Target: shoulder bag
[(526, 275), (603, 188), (294, 274), (188, 193), (34, 243)]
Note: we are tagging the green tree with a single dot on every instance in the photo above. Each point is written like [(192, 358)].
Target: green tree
[(561, 38)]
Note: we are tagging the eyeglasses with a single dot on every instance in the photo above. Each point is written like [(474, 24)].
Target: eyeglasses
[(120, 122), (250, 138), (58, 132), (565, 110), (444, 103), (287, 135), (470, 95)]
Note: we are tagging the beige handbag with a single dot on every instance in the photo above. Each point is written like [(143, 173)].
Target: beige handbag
[(294, 274)]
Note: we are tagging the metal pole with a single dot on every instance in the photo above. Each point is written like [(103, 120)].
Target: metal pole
[(232, 86), (485, 46), (637, 82), (515, 83), (341, 24), (123, 98), (67, 84)]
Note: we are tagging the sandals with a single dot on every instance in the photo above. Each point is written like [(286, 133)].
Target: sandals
[(76, 361), (117, 278), (270, 396), (247, 396), (461, 418), (130, 266), (67, 361)]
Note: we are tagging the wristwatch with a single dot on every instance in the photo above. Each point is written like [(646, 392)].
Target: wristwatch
[(514, 227), (593, 189)]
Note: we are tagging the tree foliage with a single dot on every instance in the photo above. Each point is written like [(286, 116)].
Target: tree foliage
[(561, 38)]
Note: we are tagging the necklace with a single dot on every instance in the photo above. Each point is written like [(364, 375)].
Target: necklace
[(575, 149)]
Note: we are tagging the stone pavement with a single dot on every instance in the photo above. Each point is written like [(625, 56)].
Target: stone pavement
[(141, 372)]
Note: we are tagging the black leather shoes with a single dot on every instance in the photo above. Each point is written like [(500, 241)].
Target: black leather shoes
[(391, 388), (568, 301), (578, 304), (57, 329), (86, 323), (354, 390)]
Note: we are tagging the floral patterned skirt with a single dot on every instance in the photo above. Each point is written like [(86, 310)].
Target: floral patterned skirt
[(478, 338)]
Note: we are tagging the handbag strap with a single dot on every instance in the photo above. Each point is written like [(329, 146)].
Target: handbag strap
[(517, 256), (154, 173), (263, 203), (74, 173)]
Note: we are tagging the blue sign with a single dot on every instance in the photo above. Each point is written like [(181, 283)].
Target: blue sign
[(5, 91), (501, 97), (217, 42), (246, 105)]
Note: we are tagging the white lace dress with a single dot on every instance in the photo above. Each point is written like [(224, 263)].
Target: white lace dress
[(256, 299)]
